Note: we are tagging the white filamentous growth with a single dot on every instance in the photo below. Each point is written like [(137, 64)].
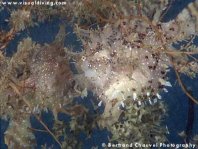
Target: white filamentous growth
[(121, 62)]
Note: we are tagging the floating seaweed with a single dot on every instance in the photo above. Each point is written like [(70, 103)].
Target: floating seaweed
[(127, 52)]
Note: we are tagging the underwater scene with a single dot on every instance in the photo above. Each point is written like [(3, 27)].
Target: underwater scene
[(99, 74)]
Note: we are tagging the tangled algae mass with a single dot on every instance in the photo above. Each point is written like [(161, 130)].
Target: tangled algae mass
[(127, 51)]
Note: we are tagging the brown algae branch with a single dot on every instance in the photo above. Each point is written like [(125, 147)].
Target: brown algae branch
[(34, 129), (182, 86), (180, 52), (13, 86)]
